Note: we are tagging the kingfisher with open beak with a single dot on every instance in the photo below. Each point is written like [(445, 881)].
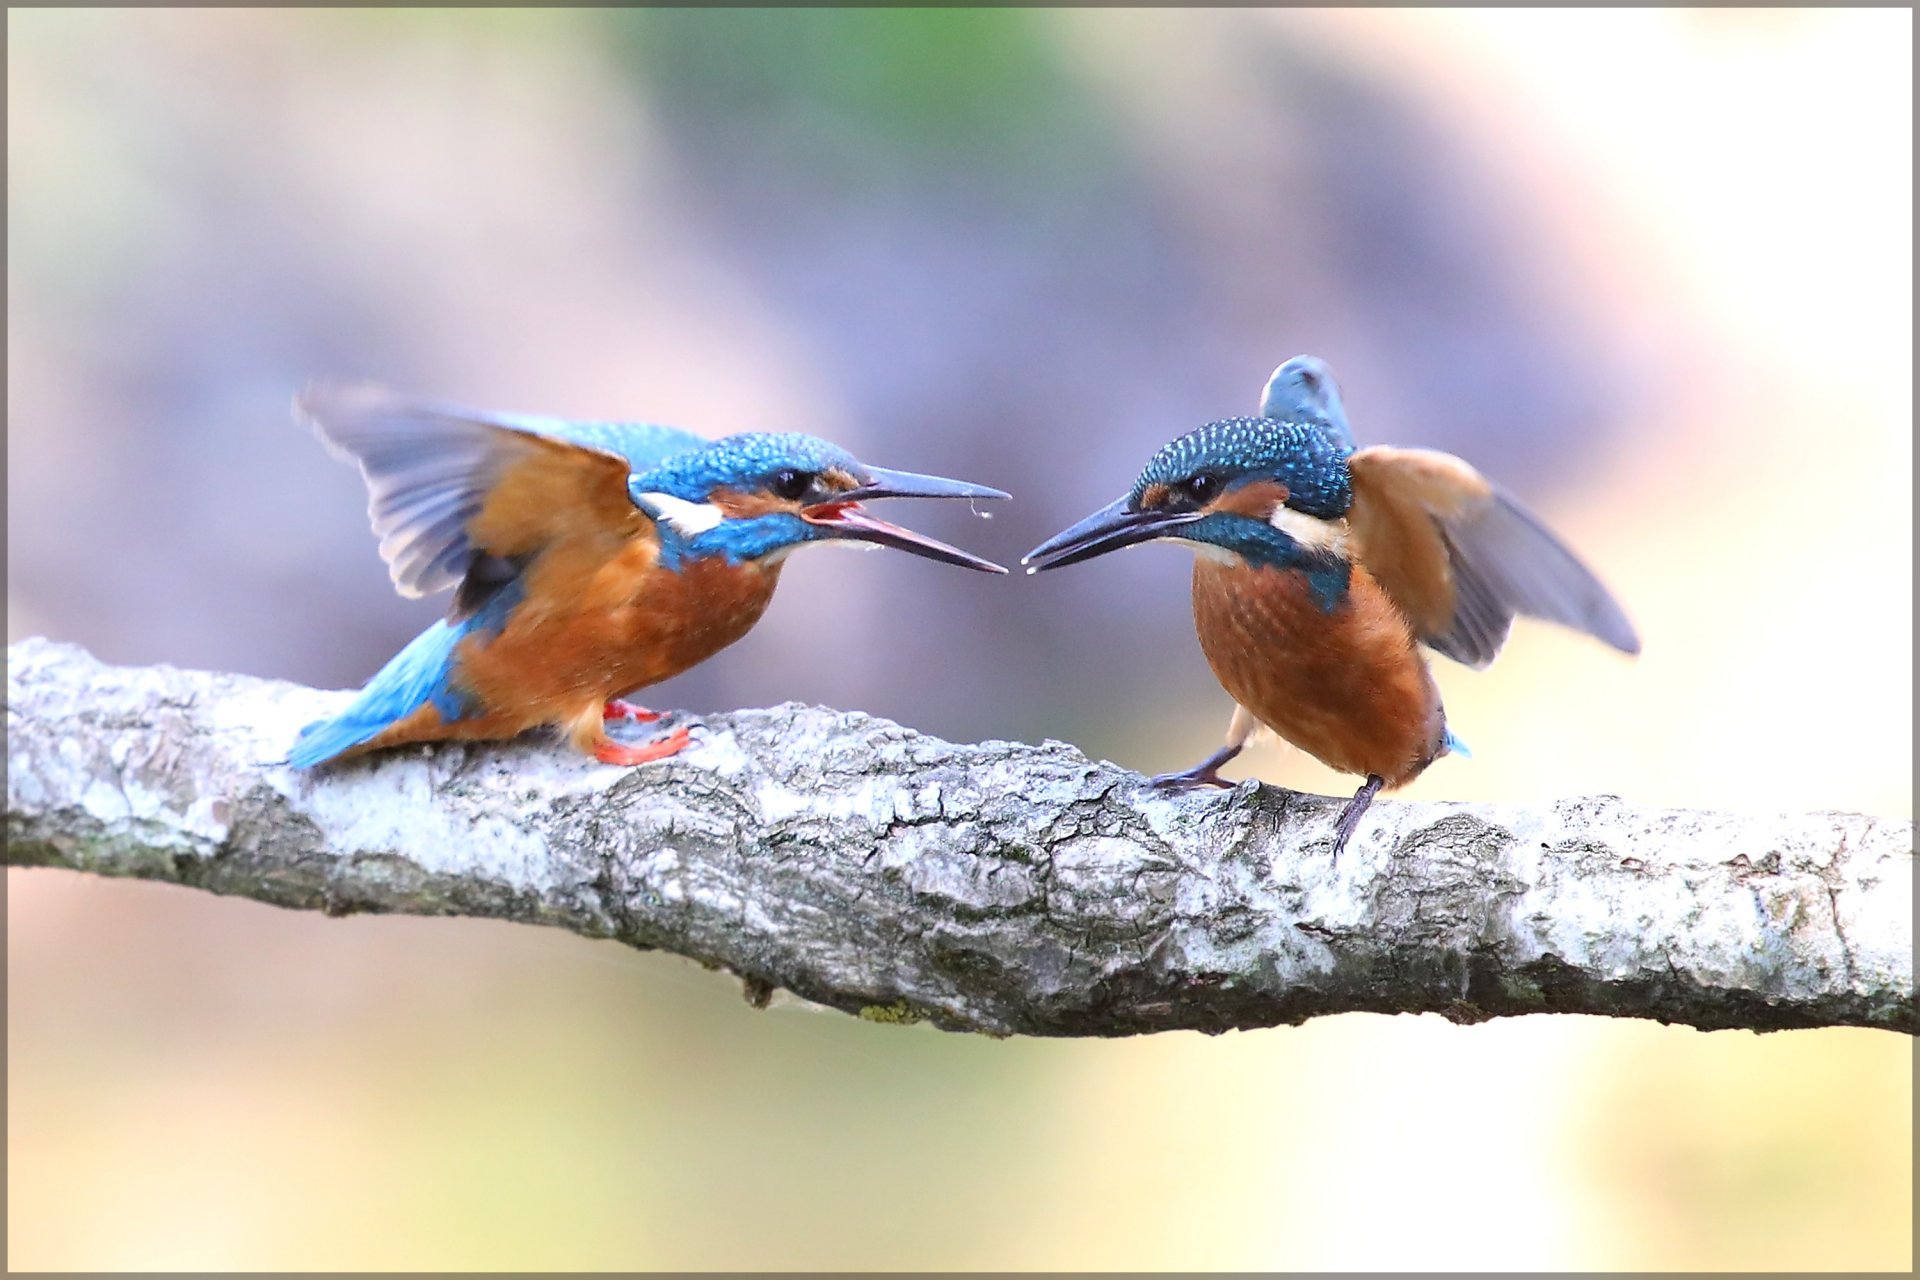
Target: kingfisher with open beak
[(1320, 568), (587, 560)]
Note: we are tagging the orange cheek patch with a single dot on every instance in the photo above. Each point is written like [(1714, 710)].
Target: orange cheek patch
[(745, 506), (1154, 495), (1256, 498)]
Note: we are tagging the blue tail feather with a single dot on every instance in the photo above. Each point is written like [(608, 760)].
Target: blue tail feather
[(415, 676), (1455, 746)]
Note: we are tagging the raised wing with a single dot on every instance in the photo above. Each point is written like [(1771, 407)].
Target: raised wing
[(1460, 558), (453, 490)]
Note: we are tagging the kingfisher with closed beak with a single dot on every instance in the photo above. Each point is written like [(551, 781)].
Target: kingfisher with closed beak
[(587, 560), (1320, 568)]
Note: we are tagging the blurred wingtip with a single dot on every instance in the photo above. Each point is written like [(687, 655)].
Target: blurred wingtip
[(1622, 636), (322, 397), (305, 402), (1606, 621), (324, 405)]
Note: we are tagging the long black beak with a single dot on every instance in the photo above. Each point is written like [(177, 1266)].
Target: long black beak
[(1108, 529), (905, 484), (843, 517)]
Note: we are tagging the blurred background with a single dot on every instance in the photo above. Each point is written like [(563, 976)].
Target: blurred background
[(1650, 270)]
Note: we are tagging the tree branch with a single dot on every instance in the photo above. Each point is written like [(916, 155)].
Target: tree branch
[(997, 887)]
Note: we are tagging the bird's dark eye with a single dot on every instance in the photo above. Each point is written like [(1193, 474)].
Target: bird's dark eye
[(789, 483), (1202, 488)]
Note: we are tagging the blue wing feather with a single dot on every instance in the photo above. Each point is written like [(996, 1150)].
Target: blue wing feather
[(643, 444), (422, 673), (418, 674)]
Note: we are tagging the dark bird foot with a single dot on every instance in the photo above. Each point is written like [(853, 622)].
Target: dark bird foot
[(611, 752), (1204, 774), (1350, 816), (621, 709)]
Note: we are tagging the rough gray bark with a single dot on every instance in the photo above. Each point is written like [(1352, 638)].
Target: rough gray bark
[(996, 887)]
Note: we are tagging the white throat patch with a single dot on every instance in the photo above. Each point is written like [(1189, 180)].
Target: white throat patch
[(1311, 531), (690, 518), (1209, 550)]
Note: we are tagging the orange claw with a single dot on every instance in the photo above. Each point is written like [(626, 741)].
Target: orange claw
[(611, 752), (621, 709)]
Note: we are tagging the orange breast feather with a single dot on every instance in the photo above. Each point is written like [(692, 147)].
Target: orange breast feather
[(1347, 687), (587, 634), (588, 631)]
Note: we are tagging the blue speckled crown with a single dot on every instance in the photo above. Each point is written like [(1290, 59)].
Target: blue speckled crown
[(740, 461), (1300, 455)]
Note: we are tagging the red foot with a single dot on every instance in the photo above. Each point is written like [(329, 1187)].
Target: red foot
[(611, 752), (621, 709)]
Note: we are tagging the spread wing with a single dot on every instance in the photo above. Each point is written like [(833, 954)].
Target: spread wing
[(1460, 558), (453, 490)]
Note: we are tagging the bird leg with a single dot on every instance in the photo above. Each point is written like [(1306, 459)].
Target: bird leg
[(1350, 816), (1204, 774), (621, 709), (588, 729), (611, 752), (1207, 772)]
